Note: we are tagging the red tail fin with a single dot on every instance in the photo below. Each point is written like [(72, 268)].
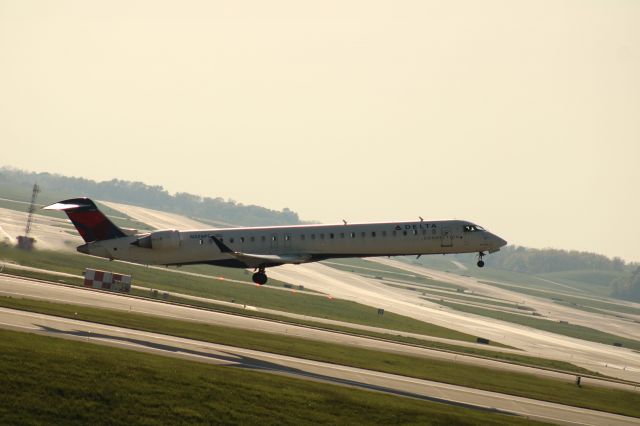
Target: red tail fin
[(90, 222)]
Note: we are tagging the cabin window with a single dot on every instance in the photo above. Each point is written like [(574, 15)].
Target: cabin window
[(415, 232), (302, 236), (384, 233), (404, 233), (331, 235), (242, 239), (313, 236), (253, 239), (231, 240), (287, 237), (263, 238), (274, 238), (201, 242), (353, 234)]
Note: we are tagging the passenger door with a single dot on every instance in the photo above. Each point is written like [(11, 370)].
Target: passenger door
[(445, 235)]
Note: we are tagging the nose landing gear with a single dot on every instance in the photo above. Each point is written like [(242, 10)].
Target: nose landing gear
[(259, 277), (480, 261)]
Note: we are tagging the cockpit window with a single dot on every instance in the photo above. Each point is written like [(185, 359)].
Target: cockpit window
[(473, 228)]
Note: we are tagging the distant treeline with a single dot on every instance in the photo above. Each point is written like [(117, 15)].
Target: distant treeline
[(154, 197), (627, 287), (540, 261)]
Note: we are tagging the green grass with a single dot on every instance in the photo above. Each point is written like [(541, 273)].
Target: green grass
[(519, 384), (55, 381), (40, 275), (305, 304), (571, 330)]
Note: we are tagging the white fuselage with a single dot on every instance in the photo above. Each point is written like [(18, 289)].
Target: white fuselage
[(316, 242)]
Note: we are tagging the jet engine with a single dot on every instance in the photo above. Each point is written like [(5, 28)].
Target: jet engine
[(169, 239)]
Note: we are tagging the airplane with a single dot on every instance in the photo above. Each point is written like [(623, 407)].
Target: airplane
[(268, 246)]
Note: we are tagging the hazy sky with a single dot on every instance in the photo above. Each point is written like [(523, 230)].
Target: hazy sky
[(523, 116)]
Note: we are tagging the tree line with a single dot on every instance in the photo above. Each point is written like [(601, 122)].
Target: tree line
[(152, 196), (627, 287), (540, 261)]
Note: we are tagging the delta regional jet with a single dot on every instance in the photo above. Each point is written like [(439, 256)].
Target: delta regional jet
[(263, 247)]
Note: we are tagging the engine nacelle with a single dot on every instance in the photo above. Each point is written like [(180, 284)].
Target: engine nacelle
[(159, 240)]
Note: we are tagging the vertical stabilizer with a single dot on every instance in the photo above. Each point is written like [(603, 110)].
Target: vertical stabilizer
[(90, 222)]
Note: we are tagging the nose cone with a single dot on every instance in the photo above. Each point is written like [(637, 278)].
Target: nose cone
[(495, 243)]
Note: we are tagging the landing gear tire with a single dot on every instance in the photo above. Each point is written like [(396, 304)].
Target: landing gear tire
[(480, 261), (260, 277)]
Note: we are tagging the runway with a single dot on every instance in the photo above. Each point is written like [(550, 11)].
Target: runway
[(305, 369), (606, 359)]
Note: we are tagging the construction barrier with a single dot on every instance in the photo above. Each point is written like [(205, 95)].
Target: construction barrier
[(106, 280)]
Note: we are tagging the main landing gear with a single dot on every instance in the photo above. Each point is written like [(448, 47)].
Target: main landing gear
[(480, 261), (259, 277)]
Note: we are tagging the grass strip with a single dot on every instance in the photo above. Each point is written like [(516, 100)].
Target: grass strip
[(563, 328), (520, 384)]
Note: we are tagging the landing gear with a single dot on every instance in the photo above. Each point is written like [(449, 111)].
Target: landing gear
[(480, 261), (260, 277)]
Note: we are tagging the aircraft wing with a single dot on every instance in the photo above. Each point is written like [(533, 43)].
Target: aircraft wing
[(256, 260)]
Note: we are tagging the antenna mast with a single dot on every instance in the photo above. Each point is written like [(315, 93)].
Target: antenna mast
[(24, 241)]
